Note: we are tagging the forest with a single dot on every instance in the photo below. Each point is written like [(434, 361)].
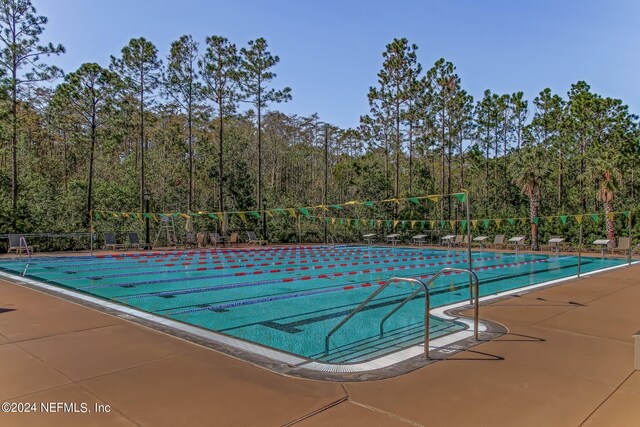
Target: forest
[(198, 134)]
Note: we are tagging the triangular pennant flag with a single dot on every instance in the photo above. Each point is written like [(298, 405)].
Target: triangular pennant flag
[(379, 223), (563, 219), (536, 220), (348, 221), (269, 214), (333, 220), (336, 206), (154, 217), (125, 215), (595, 218), (147, 215), (97, 215), (176, 214), (432, 223), (413, 224), (442, 223), (212, 216), (579, 219), (242, 216), (452, 224), (498, 222), (255, 213), (304, 211), (138, 215), (281, 210), (510, 221), (626, 214), (423, 224), (341, 221), (183, 215), (486, 223), (474, 223), (114, 214), (524, 220), (403, 223), (433, 198), (463, 223), (611, 215), (327, 220), (368, 203), (461, 196), (395, 223), (388, 223), (372, 223), (292, 212), (414, 200), (549, 218)]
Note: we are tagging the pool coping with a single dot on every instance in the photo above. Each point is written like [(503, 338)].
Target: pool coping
[(386, 366)]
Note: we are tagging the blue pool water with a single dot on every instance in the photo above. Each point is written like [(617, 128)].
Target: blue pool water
[(288, 298)]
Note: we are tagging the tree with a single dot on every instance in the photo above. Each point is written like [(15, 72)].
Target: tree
[(20, 29), (528, 171), (88, 92), (257, 62), (219, 68), (140, 70), (181, 84)]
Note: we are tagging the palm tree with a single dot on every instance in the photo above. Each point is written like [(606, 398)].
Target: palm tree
[(528, 171), (605, 170)]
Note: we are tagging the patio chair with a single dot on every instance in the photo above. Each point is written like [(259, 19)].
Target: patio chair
[(201, 239), (189, 240), (134, 241), (233, 239), (624, 245), (110, 242), (214, 238), (18, 244), (458, 240), (498, 241), (253, 239)]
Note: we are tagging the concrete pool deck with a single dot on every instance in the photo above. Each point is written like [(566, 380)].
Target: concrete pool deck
[(567, 360)]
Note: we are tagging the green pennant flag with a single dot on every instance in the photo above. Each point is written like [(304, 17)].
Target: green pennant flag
[(212, 216), (510, 221), (414, 200), (356, 221), (280, 210), (327, 220), (461, 196), (341, 221), (442, 223), (336, 206), (304, 211), (423, 224), (372, 222), (463, 223), (486, 223), (626, 214), (368, 203), (147, 215), (595, 218), (97, 215), (388, 223), (255, 213), (536, 220), (563, 219), (176, 214)]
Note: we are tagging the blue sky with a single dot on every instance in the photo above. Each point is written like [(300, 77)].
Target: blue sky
[(330, 50)]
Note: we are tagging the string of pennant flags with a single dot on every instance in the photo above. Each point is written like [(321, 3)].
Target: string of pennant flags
[(328, 216), (294, 212)]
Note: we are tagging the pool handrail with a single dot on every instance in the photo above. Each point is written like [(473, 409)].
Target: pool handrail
[(423, 286), (633, 251), (26, 248), (474, 282)]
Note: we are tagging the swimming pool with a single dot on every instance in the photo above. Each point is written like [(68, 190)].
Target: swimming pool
[(289, 298)]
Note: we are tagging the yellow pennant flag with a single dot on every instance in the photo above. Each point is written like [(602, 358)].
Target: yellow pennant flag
[(474, 223), (433, 198), (348, 221), (579, 219), (498, 222), (523, 220), (432, 223), (413, 224), (155, 218), (333, 220), (395, 223), (379, 223), (292, 212), (114, 214), (243, 217), (611, 215), (270, 214), (453, 224)]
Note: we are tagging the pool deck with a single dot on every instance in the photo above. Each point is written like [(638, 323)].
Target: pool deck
[(566, 361)]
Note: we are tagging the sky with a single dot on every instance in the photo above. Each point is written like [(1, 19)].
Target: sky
[(330, 51)]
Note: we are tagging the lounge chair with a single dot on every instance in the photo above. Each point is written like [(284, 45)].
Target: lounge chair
[(624, 245), (189, 240), (215, 238), (134, 241), (253, 239), (233, 239), (201, 239), (393, 238), (498, 241), (110, 242), (18, 244), (458, 240)]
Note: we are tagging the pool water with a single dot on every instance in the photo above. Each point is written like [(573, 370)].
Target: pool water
[(289, 298)]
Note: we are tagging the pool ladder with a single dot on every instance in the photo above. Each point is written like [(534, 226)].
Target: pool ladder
[(423, 286)]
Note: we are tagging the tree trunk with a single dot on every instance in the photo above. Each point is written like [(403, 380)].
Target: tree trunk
[(220, 163), (14, 152), (91, 156), (533, 212), (611, 227)]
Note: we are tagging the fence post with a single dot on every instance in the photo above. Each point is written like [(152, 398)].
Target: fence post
[(580, 251)]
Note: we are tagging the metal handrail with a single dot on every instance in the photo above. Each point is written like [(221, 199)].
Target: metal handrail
[(26, 248), (633, 251), (373, 295), (424, 286), (474, 279)]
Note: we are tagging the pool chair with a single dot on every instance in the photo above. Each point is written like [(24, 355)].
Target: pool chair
[(134, 241), (253, 239), (201, 239), (189, 240), (216, 239), (458, 240), (18, 244), (498, 241), (624, 245), (110, 242), (233, 239)]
